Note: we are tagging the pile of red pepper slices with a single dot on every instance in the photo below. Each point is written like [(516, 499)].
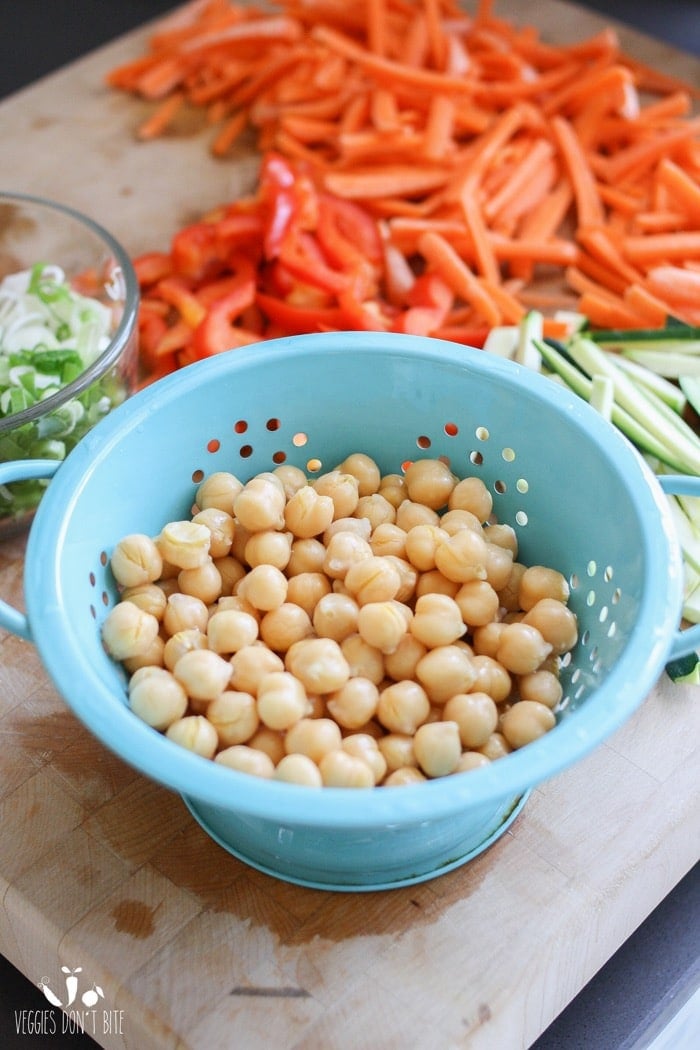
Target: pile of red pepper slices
[(290, 259)]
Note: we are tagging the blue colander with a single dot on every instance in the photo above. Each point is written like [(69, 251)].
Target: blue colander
[(578, 495)]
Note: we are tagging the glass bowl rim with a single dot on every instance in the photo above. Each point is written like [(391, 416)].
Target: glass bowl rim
[(120, 338)]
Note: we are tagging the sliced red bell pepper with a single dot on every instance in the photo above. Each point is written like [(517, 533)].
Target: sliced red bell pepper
[(217, 332)]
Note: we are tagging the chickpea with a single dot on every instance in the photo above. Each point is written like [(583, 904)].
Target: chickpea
[(221, 528), (298, 769), (393, 488), (231, 571), (282, 700), (136, 560), (202, 673), (231, 630), (280, 628), (376, 510), (471, 494), (433, 582), (437, 748), (195, 733), (342, 770), (445, 671), (364, 660), (503, 536), (313, 737), (292, 478), (462, 557), (319, 664), (372, 579), (306, 590), (409, 514), (184, 612), (149, 597), (183, 642), (260, 504), (407, 575), (364, 746), (270, 742), (402, 663), (475, 714), (335, 616), (265, 587), (521, 648), (129, 631), (234, 603), (470, 760), (387, 539), (344, 549), (397, 751), (508, 594), (478, 603), (492, 678), (366, 471), (362, 527), (246, 759), (184, 544), (203, 582), (152, 657), (354, 704), (538, 582), (542, 686), (485, 639), (308, 514), (342, 488), (306, 556), (241, 537), (402, 707), (555, 622), (453, 521), (383, 624), (268, 548), (250, 664), (404, 776), (430, 482), (218, 490), (499, 566), (157, 697), (422, 541), (495, 747), (437, 620), (526, 721), (234, 716)]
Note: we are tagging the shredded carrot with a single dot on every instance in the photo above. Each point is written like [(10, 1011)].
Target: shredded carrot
[(527, 171)]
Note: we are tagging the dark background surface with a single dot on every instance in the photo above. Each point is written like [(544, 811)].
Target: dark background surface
[(654, 972)]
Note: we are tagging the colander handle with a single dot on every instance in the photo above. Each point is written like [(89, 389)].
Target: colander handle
[(22, 470), (686, 641)]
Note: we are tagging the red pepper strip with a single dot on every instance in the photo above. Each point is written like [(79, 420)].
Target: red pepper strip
[(292, 319), (348, 235), (369, 316), (217, 332), (430, 301), (177, 292), (151, 267), (304, 259), (475, 337), (197, 252), (152, 328), (289, 202)]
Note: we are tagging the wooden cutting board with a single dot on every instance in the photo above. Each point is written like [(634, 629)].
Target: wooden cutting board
[(103, 870)]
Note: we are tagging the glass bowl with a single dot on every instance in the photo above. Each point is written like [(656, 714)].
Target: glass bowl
[(82, 345)]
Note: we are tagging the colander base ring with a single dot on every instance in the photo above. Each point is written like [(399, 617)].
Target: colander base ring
[(360, 887)]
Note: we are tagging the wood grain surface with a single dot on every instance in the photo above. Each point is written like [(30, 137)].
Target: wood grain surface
[(104, 870)]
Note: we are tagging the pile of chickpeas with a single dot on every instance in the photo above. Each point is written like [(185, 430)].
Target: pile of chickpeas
[(351, 629)]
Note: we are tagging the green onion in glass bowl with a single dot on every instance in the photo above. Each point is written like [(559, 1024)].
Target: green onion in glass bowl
[(68, 337)]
